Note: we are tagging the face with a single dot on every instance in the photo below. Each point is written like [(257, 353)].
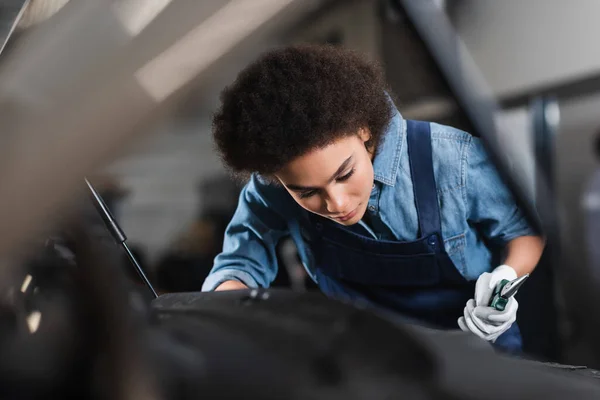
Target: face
[(335, 181)]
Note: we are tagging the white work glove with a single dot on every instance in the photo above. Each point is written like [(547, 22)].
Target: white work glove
[(482, 320)]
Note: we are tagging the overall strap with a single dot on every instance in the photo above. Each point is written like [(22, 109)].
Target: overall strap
[(423, 180)]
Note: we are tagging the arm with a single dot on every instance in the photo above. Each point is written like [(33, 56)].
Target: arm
[(492, 208), (249, 259), (523, 253), (231, 285)]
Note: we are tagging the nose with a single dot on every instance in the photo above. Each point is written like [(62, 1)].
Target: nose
[(336, 202)]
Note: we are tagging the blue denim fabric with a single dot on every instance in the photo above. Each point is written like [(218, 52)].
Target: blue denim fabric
[(478, 212)]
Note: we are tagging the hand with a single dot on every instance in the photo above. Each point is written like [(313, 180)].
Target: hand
[(482, 320), (231, 285), (487, 322), (487, 283)]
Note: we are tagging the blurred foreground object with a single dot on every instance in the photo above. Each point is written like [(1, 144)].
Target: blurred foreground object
[(37, 11), (65, 113)]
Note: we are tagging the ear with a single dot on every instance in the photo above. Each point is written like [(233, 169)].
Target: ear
[(364, 134)]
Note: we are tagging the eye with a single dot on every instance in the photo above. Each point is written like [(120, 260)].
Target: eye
[(305, 195), (346, 177)]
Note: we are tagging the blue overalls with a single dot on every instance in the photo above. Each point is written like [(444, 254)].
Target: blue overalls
[(416, 278)]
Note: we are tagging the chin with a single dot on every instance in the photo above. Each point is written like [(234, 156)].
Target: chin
[(353, 221)]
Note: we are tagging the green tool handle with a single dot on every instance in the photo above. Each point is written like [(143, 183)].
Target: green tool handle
[(498, 302)]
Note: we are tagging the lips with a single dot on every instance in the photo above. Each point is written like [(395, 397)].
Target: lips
[(348, 216)]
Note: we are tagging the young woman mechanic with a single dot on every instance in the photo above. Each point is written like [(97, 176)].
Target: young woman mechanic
[(409, 216)]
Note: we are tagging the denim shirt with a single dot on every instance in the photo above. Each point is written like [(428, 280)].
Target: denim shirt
[(478, 212)]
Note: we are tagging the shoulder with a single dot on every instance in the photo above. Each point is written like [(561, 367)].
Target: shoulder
[(449, 143), (450, 150), (260, 192), (259, 189), (449, 133)]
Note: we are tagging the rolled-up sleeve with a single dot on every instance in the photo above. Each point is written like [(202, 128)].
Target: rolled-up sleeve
[(249, 246), (491, 206)]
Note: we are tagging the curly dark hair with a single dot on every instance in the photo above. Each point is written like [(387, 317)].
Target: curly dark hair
[(296, 99)]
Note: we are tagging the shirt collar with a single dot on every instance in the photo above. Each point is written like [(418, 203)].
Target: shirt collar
[(387, 159)]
